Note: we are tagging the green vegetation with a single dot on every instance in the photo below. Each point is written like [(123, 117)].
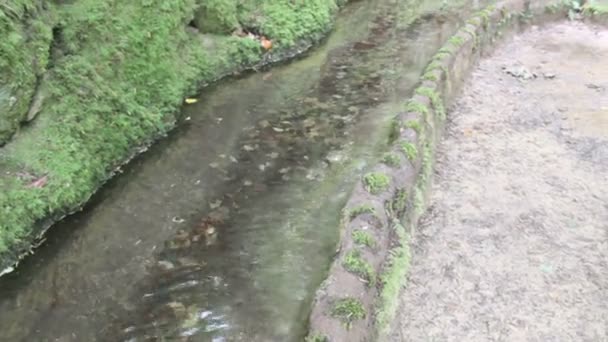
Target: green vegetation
[(376, 182), (439, 56), (415, 125), (25, 28), (392, 279), (348, 310), (391, 159), (456, 40), (362, 209), (414, 106), (354, 263), (436, 100), (430, 76), (116, 73), (418, 201), (364, 238), (316, 338), (410, 150)]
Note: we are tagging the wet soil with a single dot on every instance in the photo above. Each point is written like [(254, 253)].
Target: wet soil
[(514, 246)]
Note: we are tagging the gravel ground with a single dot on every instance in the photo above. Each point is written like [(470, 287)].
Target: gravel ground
[(514, 246)]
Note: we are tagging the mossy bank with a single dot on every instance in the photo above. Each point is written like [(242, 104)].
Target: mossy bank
[(390, 198), (87, 84)]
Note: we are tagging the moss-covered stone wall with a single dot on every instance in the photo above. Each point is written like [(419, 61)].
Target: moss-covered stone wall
[(106, 77)]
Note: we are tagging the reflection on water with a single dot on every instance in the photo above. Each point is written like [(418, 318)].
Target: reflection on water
[(223, 231)]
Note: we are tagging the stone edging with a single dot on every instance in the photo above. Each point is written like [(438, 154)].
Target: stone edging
[(359, 298)]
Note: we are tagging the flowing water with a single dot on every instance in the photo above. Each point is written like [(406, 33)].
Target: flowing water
[(223, 231)]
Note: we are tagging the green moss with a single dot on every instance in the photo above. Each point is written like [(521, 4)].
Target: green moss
[(315, 337), (410, 150), (26, 31), (348, 310), (456, 40), (430, 76), (362, 209), (436, 100), (435, 63), (415, 125), (364, 238), (354, 263), (414, 106), (121, 71), (392, 279), (446, 50), (391, 159), (217, 16), (287, 21), (596, 9), (376, 182), (440, 56)]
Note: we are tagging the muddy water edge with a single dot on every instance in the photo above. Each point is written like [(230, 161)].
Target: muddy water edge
[(224, 230)]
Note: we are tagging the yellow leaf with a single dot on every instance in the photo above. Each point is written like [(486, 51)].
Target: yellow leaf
[(191, 101)]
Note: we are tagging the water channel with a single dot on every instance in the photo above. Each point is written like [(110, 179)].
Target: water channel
[(223, 231)]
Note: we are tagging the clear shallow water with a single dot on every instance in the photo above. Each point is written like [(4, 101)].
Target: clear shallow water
[(223, 231)]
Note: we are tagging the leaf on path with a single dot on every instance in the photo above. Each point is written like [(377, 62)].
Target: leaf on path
[(191, 101), (266, 43)]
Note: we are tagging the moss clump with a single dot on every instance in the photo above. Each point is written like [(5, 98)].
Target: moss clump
[(362, 209), (287, 21), (439, 56), (410, 150), (456, 41), (316, 338), (436, 100), (414, 106), (376, 182), (430, 76), (392, 280), (216, 16), (354, 263), (364, 238), (348, 310), (418, 201), (391, 159), (415, 125)]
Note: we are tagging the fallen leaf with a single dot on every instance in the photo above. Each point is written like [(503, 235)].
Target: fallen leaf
[(191, 101), (266, 44), (39, 183)]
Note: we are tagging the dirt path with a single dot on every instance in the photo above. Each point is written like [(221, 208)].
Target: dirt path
[(515, 244)]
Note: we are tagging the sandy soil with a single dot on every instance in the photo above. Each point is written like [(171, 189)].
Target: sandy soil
[(514, 246)]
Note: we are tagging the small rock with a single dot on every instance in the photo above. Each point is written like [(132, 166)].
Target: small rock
[(548, 75)]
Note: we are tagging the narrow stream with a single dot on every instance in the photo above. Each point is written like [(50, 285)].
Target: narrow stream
[(223, 231)]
